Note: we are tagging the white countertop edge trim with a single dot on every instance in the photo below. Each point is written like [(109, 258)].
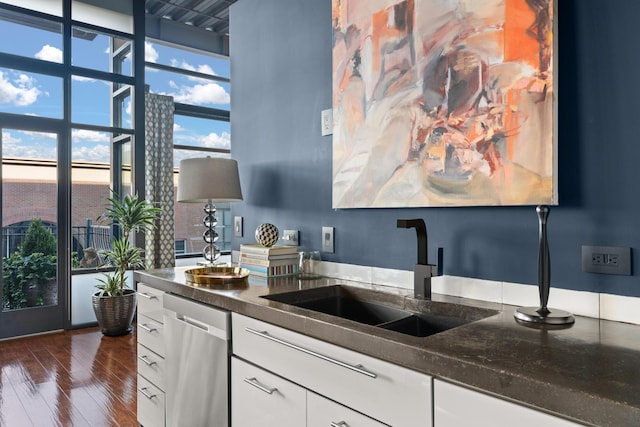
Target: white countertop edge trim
[(590, 304)]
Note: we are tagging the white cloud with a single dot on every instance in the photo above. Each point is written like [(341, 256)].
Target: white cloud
[(34, 148), (210, 93), (83, 79), (213, 140), (49, 53), (97, 153), (202, 68), (150, 53), (177, 127), (39, 135), (83, 135), (206, 69), (20, 91), (9, 139), (90, 146)]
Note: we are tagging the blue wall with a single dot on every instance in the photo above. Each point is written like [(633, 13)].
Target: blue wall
[(281, 80)]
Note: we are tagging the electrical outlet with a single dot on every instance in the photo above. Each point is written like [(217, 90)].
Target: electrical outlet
[(237, 226), (290, 238), (606, 260), (327, 240)]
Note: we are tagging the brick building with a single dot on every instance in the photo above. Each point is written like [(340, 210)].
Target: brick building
[(29, 191)]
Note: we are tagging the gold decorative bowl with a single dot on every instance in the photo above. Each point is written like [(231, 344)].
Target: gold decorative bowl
[(217, 277)]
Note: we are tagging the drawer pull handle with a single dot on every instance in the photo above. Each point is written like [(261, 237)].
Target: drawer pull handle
[(147, 296), (146, 360), (254, 382), (146, 328), (144, 392), (339, 424), (357, 368)]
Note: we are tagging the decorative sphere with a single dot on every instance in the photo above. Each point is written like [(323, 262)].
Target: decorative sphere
[(267, 234)]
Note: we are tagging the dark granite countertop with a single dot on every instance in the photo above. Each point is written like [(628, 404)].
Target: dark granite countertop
[(589, 373)]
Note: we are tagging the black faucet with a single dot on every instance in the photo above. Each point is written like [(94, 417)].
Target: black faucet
[(422, 271)]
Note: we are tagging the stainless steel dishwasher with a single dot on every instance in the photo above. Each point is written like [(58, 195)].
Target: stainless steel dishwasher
[(197, 363)]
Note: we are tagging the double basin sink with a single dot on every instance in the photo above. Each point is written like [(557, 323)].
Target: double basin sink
[(397, 313)]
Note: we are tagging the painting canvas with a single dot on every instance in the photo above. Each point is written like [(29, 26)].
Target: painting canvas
[(443, 103)]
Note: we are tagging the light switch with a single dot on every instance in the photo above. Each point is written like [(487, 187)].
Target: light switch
[(237, 226), (290, 238), (326, 122), (327, 240)]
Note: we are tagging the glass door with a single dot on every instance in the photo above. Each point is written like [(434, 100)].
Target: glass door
[(33, 260)]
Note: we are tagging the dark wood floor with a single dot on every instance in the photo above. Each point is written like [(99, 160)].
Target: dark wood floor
[(73, 378)]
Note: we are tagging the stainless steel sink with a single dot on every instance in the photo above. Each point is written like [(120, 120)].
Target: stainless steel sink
[(393, 312)]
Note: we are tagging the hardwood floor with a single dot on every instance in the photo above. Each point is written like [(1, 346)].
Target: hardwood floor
[(71, 378)]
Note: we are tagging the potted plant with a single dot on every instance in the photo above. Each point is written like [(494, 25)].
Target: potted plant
[(29, 274), (114, 304)]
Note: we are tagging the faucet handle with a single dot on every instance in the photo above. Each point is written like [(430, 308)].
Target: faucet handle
[(422, 274)]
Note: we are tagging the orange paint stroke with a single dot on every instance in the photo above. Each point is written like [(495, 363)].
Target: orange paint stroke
[(519, 45)]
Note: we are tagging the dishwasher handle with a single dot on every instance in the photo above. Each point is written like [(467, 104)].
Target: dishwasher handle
[(207, 318), (192, 322)]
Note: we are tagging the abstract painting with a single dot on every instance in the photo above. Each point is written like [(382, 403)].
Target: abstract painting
[(444, 103)]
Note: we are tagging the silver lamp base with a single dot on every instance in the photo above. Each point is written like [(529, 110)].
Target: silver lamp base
[(552, 317)]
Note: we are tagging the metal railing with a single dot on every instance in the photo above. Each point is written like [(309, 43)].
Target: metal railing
[(99, 237)]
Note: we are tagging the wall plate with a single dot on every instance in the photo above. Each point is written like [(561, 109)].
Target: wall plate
[(290, 238), (606, 259), (238, 226), (326, 122), (327, 240)]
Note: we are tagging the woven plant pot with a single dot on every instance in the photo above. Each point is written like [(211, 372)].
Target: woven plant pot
[(115, 313)]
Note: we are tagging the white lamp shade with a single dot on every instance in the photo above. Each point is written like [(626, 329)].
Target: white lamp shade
[(209, 178)]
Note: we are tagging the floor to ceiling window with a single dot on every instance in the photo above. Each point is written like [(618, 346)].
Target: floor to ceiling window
[(72, 132), (66, 101), (200, 86)]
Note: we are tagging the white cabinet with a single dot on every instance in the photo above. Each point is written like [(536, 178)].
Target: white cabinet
[(151, 352), (385, 392), (322, 412), (150, 403), (456, 406), (260, 398)]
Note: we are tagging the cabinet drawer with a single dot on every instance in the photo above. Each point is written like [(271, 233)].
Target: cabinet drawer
[(151, 334), (482, 410), (150, 404), (389, 393), (322, 412), (259, 398), (150, 302), (151, 366)]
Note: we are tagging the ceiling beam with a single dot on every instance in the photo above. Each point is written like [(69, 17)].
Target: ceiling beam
[(187, 35)]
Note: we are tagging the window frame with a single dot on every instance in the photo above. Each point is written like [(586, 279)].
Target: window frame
[(196, 111)]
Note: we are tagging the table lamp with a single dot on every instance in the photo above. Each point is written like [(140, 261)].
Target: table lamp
[(209, 180)]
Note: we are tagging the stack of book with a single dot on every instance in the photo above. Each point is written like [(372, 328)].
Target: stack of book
[(273, 261)]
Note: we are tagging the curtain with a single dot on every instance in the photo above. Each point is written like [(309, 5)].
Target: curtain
[(160, 243)]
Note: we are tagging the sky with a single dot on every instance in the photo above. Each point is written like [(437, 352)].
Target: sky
[(41, 95)]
